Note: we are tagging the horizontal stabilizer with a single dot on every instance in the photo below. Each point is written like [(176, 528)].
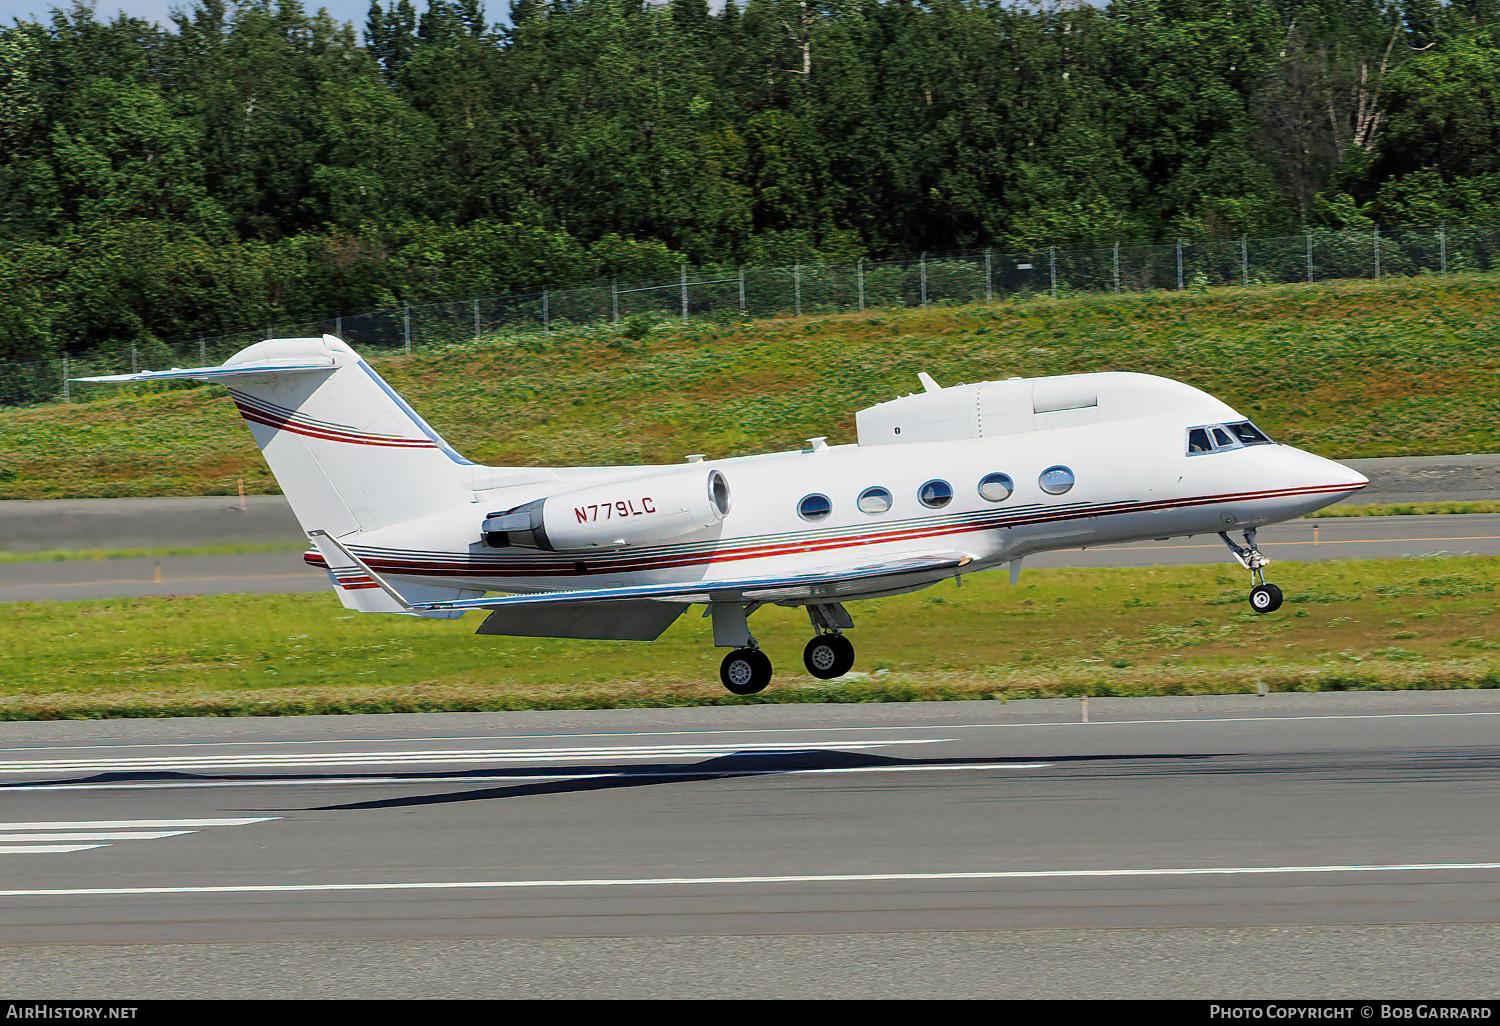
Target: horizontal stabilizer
[(244, 370), (363, 589)]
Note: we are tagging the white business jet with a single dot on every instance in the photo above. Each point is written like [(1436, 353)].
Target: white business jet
[(945, 482)]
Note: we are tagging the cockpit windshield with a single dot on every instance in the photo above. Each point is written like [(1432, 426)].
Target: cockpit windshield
[(1218, 437)]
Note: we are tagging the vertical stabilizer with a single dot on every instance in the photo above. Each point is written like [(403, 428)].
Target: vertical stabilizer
[(348, 452)]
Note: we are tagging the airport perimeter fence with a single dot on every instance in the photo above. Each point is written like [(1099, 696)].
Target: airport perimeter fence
[(749, 293)]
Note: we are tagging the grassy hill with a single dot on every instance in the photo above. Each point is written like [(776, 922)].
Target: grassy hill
[(1350, 369)]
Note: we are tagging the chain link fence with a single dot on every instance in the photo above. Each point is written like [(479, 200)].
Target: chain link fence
[(748, 293)]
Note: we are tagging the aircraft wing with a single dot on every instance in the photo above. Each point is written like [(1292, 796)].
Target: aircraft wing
[(828, 584)]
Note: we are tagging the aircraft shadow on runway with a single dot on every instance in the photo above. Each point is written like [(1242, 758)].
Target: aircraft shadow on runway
[(594, 777)]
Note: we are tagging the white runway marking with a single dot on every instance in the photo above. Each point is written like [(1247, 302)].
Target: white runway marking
[(527, 778), (724, 732), (102, 835), (42, 838), (691, 881), (436, 756)]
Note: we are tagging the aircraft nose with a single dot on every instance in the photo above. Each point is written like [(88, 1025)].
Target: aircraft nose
[(1333, 480), (1347, 476)]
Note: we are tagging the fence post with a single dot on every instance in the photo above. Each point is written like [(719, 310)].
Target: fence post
[(1309, 258), (684, 293), (614, 299), (1179, 265), (1245, 260), (1443, 246), (203, 352), (1052, 270), (1117, 266), (924, 279), (859, 270), (134, 368), (67, 396), (989, 278), (338, 325), (797, 288), (546, 314), (742, 292), (1376, 235)]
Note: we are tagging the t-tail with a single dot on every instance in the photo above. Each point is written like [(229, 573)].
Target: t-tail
[(350, 455)]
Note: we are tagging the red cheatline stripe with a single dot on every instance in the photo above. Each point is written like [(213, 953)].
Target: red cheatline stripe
[(568, 567), (272, 410), (283, 424)]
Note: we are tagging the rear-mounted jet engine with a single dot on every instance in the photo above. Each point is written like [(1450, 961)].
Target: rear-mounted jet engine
[(643, 510)]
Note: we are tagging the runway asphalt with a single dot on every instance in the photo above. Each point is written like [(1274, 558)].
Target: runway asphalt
[(1331, 845), (1320, 846)]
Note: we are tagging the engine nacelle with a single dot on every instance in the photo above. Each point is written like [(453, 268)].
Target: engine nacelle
[(639, 511)]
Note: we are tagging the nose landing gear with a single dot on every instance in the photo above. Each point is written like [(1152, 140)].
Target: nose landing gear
[(1264, 598)]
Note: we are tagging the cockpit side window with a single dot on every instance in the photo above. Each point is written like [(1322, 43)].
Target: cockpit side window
[(1217, 437), (1249, 434)]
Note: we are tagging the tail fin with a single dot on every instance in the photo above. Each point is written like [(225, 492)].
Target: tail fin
[(348, 452)]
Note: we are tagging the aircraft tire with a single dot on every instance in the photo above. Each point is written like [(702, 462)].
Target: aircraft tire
[(828, 656), (1265, 598), (745, 671)]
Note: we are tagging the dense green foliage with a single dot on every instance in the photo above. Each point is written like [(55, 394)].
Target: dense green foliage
[(1399, 367), (255, 163)]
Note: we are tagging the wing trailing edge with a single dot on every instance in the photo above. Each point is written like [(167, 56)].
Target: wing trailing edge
[(828, 584)]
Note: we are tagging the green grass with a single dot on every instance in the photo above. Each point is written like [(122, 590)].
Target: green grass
[(160, 552), (1420, 623), (1347, 369), (1405, 509)]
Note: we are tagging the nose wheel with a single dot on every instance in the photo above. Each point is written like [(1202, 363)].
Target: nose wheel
[(1264, 598)]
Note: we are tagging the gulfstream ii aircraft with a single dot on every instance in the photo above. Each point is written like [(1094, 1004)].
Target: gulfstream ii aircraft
[(941, 483)]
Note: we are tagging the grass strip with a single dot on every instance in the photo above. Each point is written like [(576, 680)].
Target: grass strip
[(1404, 509), (67, 555), (1373, 624), (1397, 367)]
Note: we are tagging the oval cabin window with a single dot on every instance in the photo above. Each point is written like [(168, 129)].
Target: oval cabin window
[(996, 487), (875, 500), (935, 494), (815, 507), (1056, 480)]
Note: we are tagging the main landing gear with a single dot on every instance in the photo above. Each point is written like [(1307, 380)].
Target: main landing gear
[(747, 670), (1264, 598)]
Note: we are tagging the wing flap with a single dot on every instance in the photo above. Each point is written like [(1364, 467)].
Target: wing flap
[(641, 620)]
